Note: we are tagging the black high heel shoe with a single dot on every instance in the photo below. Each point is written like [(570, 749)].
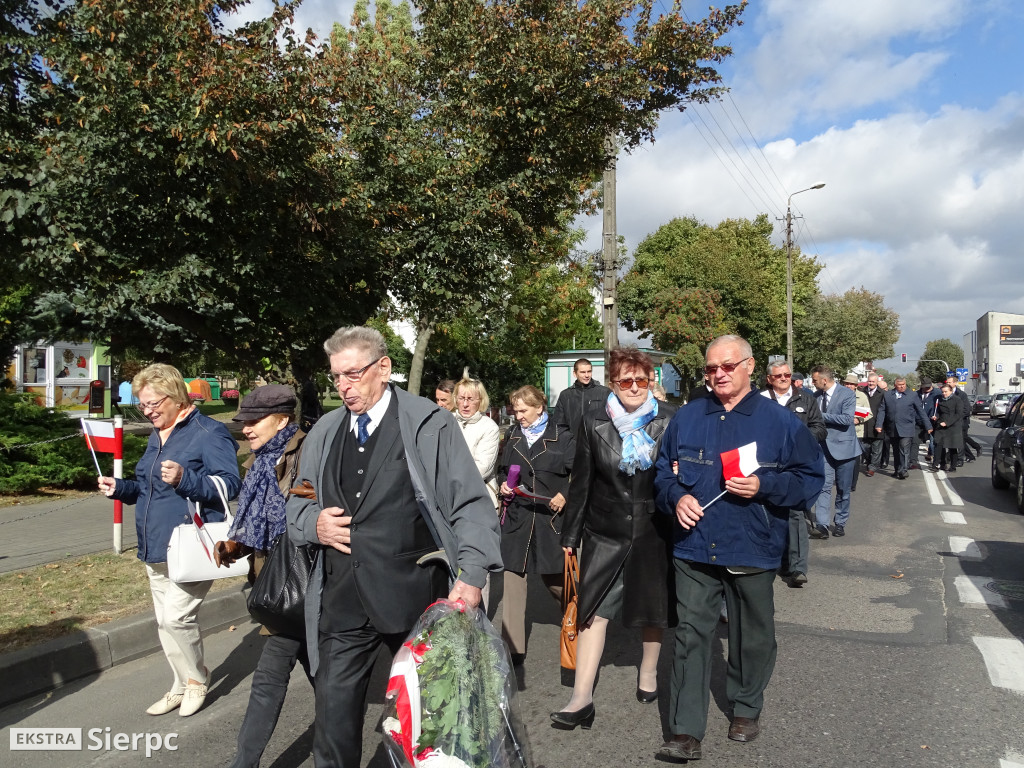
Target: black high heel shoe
[(584, 718), (646, 697)]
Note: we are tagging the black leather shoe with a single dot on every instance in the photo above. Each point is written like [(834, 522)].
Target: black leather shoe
[(819, 532), (797, 580), (744, 729), (584, 718), (839, 530), (681, 747)]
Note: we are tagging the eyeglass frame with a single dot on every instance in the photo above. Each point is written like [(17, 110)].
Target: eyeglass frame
[(153, 405), (353, 376), (633, 380), (711, 370), (780, 375), (468, 399)]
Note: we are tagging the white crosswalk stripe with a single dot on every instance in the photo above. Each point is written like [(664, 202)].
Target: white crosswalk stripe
[(972, 591), (954, 497), (932, 487), (1004, 659), (965, 548), (953, 518)]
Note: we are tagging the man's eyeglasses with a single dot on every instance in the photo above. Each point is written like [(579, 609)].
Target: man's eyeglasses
[(711, 370), (642, 383), (353, 375), (774, 375), (153, 405)]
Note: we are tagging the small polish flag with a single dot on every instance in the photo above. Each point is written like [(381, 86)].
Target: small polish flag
[(740, 462), (99, 435), (862, 412)]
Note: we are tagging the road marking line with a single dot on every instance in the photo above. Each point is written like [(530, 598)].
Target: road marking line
[(964, 547), (954, 497), (1008, 764), (972, 591), (1004, 658), (933, 488), (953, 518)]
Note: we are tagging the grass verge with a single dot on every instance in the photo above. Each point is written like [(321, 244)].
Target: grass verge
[(59, 598)]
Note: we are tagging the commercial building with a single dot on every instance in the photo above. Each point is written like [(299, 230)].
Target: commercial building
[(998, 349)]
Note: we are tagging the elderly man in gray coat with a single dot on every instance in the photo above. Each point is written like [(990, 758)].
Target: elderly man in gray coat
[(389, 479)]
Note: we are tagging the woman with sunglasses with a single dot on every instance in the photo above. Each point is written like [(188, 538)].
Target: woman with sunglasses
[(625, 544), (531, 522), (185, 450)]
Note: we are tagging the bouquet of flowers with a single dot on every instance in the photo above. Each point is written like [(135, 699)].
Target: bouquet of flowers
[(450, 698)]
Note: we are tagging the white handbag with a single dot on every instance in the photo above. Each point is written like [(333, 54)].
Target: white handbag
[(190, 550)]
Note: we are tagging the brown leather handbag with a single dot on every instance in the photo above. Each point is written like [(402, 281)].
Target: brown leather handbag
[(570, 598)]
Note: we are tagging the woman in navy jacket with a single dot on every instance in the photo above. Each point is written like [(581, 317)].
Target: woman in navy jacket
[(185, 449)]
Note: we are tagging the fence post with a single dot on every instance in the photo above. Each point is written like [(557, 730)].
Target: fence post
[(118, 473)]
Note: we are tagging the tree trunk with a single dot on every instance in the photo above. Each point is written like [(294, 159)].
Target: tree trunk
[(424, 329)]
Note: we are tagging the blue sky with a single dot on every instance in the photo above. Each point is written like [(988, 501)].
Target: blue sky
[(910, 111)]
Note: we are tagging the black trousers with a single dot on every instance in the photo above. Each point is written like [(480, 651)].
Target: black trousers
[(342, 677), (269, 686)]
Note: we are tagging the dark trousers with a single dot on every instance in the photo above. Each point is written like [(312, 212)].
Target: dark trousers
[(970, 442), (750, 599), (902, 458), (269, 686), (873, 452), (945, 457), (798, 543), (342, 677)]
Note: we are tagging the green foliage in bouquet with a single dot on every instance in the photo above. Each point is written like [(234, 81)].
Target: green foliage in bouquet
[(462, 689)]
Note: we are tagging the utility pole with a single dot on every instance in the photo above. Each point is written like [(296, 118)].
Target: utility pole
[(610, 248), (789, 274)]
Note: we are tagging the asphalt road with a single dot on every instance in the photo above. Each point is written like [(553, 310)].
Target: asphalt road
[(883, 661)]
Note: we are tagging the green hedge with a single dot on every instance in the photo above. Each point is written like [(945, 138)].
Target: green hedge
[(64, 463)]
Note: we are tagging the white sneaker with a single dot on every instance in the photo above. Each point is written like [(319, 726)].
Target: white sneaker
[(169, 703)]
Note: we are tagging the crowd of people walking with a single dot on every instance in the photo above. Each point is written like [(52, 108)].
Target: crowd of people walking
[(417, 499)]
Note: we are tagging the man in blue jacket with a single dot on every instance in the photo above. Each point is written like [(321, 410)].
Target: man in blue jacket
[(734, 550), (838, 408), (903, 414)]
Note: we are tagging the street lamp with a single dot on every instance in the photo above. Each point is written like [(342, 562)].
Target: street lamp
[(789, 274)]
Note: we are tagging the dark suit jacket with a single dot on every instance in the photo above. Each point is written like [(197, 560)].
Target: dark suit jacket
[(613, 517), (904, 414), (875, 401)]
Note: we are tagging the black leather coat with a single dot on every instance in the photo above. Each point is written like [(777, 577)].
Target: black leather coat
[(530, 533), (612, 517)]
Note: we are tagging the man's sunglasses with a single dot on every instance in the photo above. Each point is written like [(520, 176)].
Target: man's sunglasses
[(711, 370)]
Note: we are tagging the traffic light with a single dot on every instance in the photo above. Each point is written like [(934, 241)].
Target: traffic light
[(904, 356)]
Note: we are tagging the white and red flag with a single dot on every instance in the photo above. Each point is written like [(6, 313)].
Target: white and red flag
[(863, 412), (740, 462), (99, 435)]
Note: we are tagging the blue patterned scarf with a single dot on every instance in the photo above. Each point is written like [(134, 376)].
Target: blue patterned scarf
[(636, 444), (260, 518), (535, 430)]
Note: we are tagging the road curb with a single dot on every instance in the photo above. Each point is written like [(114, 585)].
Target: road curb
[(50, 665)]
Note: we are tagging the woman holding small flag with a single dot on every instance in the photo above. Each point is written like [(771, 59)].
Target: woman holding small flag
[(186, 449), (743, 463), (624, 561), (534, 473)]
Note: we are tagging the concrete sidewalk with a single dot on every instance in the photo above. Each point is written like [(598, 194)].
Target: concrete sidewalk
[(37, 534)]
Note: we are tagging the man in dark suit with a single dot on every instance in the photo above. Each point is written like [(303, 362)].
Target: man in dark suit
[(902, 413), (838, 409), (584, 394), (954, 382), (393, 481), (872, 439), (701, 390), (803, 404)]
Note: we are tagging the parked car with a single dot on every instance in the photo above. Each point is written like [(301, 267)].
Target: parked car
[(1001, 403), (1008, 451), (980, 404)]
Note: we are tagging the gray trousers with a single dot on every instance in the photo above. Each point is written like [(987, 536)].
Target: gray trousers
[(798, 543), (873, 451), (750, 599)]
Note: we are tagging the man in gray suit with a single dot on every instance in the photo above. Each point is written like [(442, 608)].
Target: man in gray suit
[(389, 479), (838, 406)]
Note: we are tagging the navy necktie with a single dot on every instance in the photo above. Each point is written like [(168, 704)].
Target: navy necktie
[(361, 421), (824, 402)]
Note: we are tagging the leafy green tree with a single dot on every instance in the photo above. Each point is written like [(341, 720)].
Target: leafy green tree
[(840, 331), (685, 322), (940, 349), (180, 191), (545, 311), (734, 262)]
